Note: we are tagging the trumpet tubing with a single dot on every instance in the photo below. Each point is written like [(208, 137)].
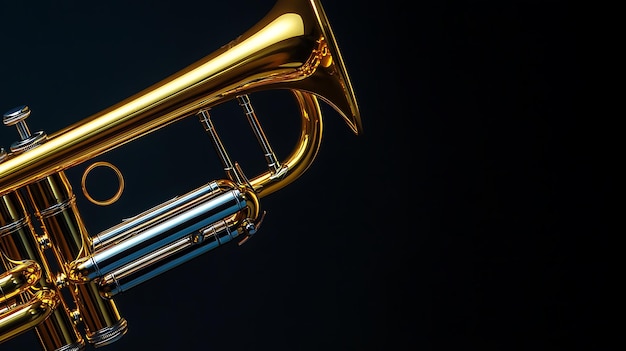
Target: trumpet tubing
[(60, 280)]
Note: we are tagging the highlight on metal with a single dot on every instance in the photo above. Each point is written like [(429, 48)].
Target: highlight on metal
[(59, 280)]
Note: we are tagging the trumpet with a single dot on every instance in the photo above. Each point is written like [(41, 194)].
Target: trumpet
[(59, 280)]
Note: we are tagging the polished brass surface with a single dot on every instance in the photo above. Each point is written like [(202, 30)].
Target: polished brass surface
[(41, 306), (28, 315), (18, 279), (271, 55), (55, 207), (118, 193), (60, 280)]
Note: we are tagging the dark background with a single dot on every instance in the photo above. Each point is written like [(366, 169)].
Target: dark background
[(463, 216)]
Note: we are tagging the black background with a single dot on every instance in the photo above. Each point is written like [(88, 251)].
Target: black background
[(463, 216)]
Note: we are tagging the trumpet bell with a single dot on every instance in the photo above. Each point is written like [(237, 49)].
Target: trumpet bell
[(292, 47), (59, 279)]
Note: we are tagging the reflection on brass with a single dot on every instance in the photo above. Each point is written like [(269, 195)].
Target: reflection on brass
[(120, 179), (67, 296)]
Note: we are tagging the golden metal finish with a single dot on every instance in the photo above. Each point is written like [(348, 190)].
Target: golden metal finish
[(257, 60), (55, 208), (70, 292), (18, 279), (40, 306), (117, 194), (28, 315)]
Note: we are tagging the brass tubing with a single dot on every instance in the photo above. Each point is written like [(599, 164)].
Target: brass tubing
[(302, 156), (18, 279), (28, 315), (293, 47), (187, 221), (54, 204), (183, 250), (130, 227), (168, 257), (18, 241)]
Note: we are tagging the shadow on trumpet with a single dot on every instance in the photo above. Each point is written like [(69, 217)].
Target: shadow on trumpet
[(59, 279)]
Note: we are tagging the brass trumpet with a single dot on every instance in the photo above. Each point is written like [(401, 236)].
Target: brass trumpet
[(58, 279)]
